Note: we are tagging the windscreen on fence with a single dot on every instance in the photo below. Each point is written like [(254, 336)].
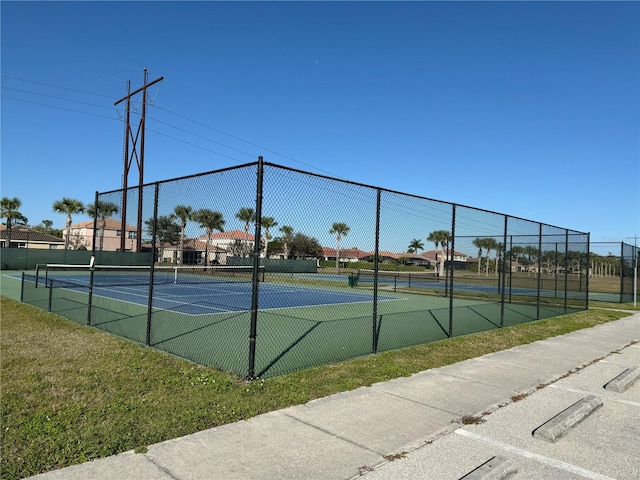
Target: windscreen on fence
[(261, 270)]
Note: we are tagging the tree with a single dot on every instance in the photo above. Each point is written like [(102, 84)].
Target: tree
[(276, 246), (479, 244), (532, 255), (490, 244), (102, 210), (167, 230), (267, 223), (415, 246), (303, 246), (68, 206), (248, 216), (184, 213), (210, 221), (46, 226), (286, 238), (340, 230), (440, 238), (515, 253), (9, 209)]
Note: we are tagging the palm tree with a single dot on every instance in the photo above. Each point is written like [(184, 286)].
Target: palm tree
[(479, 243), (248, 216), (340, 230), (210, 221), (184, 213), (489, 244), (415, 245), (267, 223), (531, 251), (68, 206), (102, 210), (9, 209), (515, 253), (440, 238), (286, 238)]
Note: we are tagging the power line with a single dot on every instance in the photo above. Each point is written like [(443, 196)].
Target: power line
[(56, 86), (235, 137), (58, 108), (55, 97)]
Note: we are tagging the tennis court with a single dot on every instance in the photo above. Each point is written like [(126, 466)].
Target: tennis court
[(303, 321)]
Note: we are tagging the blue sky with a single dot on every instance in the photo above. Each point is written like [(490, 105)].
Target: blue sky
[(526, 108)]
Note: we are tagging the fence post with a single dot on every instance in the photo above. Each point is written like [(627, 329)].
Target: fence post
[(256, 270), (503, 270), (586, 306), (154, 237), (50, 297), (538, 261), (566, 269), (93, 257), (374, 347), (453, 249), (622, 259)]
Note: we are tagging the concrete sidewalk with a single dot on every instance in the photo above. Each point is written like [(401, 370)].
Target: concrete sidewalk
[(414, 427)]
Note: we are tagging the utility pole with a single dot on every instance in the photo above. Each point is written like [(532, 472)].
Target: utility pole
[(131, 139)]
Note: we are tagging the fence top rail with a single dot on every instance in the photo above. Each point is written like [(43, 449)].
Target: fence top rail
[(327, 177)]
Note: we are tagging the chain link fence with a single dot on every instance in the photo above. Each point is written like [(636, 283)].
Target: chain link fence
[(276, 269), (612, 268)]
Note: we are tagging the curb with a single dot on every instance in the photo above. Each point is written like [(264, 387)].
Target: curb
[(624, 380), (559, 425)]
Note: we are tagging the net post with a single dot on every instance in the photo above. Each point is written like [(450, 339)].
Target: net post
[(22, 288)]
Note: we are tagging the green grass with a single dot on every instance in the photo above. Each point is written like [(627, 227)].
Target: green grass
[(72, 393)]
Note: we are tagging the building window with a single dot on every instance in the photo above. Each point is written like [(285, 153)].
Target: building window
[(132, 234)]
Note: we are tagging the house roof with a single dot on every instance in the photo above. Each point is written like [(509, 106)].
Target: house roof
[(230, 235), (194, 244), (20, 233), (344, 252), (110, 224)]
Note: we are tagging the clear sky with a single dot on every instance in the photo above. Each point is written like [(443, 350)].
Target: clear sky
[(531, 109)]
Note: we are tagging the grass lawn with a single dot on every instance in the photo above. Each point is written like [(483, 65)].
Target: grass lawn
[(72, 393)]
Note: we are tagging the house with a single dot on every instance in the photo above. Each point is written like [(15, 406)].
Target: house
[(25, 237), (107, 239), (461, 260), (193, 252), (236, 243), (348, 255)]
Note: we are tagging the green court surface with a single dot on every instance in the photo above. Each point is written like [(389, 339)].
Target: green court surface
[(293, 338)]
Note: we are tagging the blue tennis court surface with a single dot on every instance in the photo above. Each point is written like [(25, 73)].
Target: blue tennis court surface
[(203, 298)]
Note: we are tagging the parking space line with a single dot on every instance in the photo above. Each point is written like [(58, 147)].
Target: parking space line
[(551, 462)]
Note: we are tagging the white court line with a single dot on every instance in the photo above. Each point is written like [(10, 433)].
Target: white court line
[(552, 462)]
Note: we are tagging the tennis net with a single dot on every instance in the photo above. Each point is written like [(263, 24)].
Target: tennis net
[(397, 278), (61, 275)]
